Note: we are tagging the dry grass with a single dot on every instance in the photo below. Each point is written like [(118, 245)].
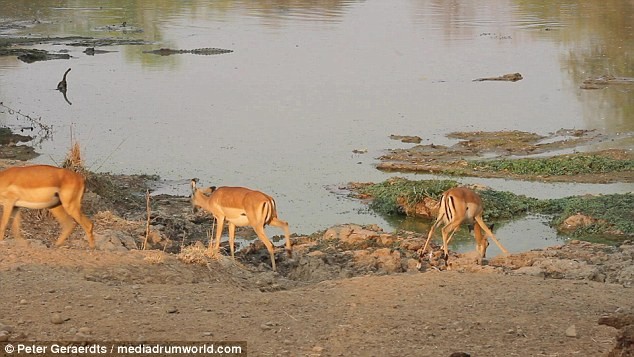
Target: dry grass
[(197, 254), (154, 257), (73, 160)]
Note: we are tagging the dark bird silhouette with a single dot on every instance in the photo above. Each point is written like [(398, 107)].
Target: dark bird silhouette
[(62, 86)]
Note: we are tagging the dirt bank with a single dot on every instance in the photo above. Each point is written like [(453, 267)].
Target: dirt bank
[(73, 294)]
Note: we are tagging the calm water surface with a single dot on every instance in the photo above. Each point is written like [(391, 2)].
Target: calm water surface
[(309, 82)]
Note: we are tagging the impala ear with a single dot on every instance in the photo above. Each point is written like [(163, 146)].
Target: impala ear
[(193, 183)]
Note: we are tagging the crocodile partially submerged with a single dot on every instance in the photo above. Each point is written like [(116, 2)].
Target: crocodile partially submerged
[(604, 81), (511, 77), (198, 51)]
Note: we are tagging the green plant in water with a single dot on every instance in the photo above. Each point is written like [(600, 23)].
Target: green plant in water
[(555, 166), (387, 193), (611, 213), (505, 205)]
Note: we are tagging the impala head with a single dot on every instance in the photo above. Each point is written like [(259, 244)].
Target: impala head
[(199, 194), (482, 248)]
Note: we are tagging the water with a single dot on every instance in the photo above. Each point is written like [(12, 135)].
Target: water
[(309, 82)]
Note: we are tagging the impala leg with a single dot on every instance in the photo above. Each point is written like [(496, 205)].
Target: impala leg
[(259, 230), (65, 220), (447, 233), (481, 242), (490, 234), (451, 236), (71, 203), (232, 238), (219, 227), (86, 224), (16, 223), (431, 233), (7, 211), (284, 225)]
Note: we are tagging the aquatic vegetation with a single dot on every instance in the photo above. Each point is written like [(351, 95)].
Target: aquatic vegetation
[(607, 214), (387, 194), (565, 165)]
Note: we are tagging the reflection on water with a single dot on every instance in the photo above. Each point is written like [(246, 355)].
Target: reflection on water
[(308, 83)]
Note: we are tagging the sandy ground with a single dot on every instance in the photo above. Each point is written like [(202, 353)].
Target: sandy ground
[(71, 293)]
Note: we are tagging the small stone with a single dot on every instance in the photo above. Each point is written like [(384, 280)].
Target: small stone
[(85, 330), (81, 336), (5, 328), (267, 325), (207, 334), (318, 349), (57, 319), (172, 310), (4, 336), (571, 331), (23, 302)]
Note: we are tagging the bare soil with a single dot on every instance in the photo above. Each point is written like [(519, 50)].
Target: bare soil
[(541, 303)]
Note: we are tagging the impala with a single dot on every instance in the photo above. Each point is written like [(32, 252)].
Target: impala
[(458, 205), (41, 186), (240, 206)]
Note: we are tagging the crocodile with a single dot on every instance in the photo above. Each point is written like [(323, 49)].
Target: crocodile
[(511, 77), (605, 80), (197, 51)]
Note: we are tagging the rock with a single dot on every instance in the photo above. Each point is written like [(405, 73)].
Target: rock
[(571, 331), (351, 234), (318, 349), (531, 271), (575, 222), (387, 260), (623, 319), (427, 208), (617, 320), (412, 264), (114, 241), (4, 336), (5, 328), (409, 139), (85, 330), (57, 319)]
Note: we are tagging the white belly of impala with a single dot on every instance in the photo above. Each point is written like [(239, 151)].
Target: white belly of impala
[(34, 198), (236, 216), (54, 201)]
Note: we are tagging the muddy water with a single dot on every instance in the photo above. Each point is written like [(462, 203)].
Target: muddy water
[(309, 82)]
